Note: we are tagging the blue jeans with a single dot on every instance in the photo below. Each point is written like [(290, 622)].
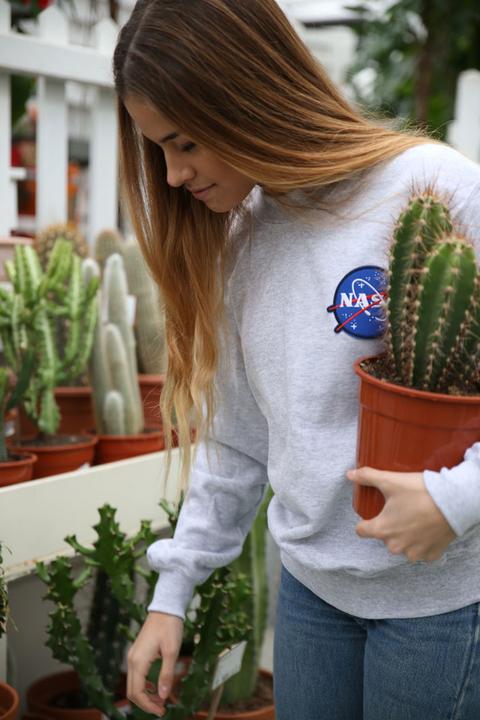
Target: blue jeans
[(329, 665)]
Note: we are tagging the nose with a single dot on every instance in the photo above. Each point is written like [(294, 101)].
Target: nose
[(179, 172)]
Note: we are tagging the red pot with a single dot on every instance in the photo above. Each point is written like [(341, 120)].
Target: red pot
[(9, 702), (76, 412), (150, 390), (405, 430), (55, 459), (40, 696), (17, 471), (119, 447)]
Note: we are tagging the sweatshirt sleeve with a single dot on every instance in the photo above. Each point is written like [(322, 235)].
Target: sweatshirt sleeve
[(227, 484)]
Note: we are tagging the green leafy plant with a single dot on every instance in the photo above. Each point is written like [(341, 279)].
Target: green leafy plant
[(29, 311), (433, 306)]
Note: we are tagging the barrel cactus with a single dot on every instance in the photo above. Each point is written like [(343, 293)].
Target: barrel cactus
[(113, 366), (46, 239), (433, 304), (30, 310), (107, 242)]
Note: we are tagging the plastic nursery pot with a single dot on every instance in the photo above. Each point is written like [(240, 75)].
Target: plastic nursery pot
[(405, 430), (17, 470), (76, 412), (43, 696), (267, 712), (120, 447), (63, 453), (9, 702), (150, 391)]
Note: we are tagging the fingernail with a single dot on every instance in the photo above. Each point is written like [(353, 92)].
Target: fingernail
[(163, 691)]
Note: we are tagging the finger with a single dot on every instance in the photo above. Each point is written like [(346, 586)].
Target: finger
[(167, 672), (137, 691), (370, 529), (368, 476)]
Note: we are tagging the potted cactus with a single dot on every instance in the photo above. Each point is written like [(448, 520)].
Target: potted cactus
[(9, 700), (39, 298), (97, 654), (119, 418), (420, 400)]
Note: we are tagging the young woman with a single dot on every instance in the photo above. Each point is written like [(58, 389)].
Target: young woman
[(256, 193)]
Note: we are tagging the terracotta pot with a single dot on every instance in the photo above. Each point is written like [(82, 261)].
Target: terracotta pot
[(9, 702), (150, 390), (406, 430), (119, 447), (40, 696), (17, 471), (55, 459), (76, 412), (265, 713)]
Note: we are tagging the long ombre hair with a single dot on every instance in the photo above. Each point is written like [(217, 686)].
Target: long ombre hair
[(236, 78)]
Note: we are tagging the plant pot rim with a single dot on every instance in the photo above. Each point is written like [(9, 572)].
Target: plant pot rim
[(26, 459), (151, 432), (406, 391), (7, 690), (153, 378), (90, 439), (74, 390)]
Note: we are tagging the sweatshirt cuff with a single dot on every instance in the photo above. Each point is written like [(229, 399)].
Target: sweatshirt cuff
[(173, 593), (456, 491)]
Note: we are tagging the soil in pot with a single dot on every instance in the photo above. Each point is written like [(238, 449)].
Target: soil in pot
[(111, 448), (18, 468), (9, 702), (59, 453)]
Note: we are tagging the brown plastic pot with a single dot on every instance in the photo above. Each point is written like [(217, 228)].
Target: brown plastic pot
[(265, 713), (76, 412), (405, 430), (61, 458), (150, 390), (9, 702), (111, 448), (17, 471), (41, 695)]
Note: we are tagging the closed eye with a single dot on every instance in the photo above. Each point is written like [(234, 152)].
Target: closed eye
[(188, 147)]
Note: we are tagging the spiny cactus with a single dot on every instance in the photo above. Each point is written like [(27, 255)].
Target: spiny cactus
[(113, 366), (29, 312), (97, 654), (107, 243), (434, 301), (46, 239), (149, 316)]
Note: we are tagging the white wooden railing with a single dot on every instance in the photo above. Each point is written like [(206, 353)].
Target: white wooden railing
[(54, 61), (464, 131)]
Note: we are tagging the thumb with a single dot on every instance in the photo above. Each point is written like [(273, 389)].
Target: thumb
[(167, 673), (367, 476)]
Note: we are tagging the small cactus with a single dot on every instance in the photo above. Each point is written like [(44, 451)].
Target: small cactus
[(433, 304), (46, 239), (107, 243)]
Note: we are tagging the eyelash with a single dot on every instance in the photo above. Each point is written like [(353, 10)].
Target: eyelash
[(188, 147)]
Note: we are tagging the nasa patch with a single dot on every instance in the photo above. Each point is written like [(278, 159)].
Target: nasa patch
[(359, 302)]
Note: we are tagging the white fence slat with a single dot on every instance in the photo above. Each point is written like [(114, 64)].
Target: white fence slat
[(6, 215), (103, 163), (464, 131)]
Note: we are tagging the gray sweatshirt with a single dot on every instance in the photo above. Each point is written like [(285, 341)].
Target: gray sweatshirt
[(287, 404)]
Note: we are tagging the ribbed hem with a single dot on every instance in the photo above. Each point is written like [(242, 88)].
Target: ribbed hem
[(173, 593)]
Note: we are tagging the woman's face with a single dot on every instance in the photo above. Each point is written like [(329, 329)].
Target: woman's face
[(189, 165)]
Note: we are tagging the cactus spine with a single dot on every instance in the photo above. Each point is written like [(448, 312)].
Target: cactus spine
[(150, 317), (113, 367), (29, 322), (433, 305)]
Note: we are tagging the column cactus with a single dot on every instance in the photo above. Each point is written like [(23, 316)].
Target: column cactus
[(37, 299), (107, 242), (113, 366), (150, 317), (434, 301)]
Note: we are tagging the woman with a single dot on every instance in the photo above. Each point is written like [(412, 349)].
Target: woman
[(255, 190)]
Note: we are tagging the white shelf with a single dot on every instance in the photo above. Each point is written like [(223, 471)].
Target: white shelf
[(36, 516)]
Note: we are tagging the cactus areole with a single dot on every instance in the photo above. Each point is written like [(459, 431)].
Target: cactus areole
[(420, 400)]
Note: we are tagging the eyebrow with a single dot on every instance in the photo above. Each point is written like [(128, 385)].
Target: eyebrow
[(170, 136)]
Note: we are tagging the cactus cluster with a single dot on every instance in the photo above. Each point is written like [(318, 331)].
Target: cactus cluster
[(433, 304), (28, 323), (113, 365), (45, 240), (150, 317)]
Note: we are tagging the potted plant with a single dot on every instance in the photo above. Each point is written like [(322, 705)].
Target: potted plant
[(119, 418), (420, 400), (9, 700), (96, 655), (40, 297)]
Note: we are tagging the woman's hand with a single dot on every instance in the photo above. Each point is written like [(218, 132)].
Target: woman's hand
[(410, 522), (161, 636)]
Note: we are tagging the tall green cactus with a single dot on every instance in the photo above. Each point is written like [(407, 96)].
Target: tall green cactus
[(150, 317), (113, 365), (29, 312), (433, 301)]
